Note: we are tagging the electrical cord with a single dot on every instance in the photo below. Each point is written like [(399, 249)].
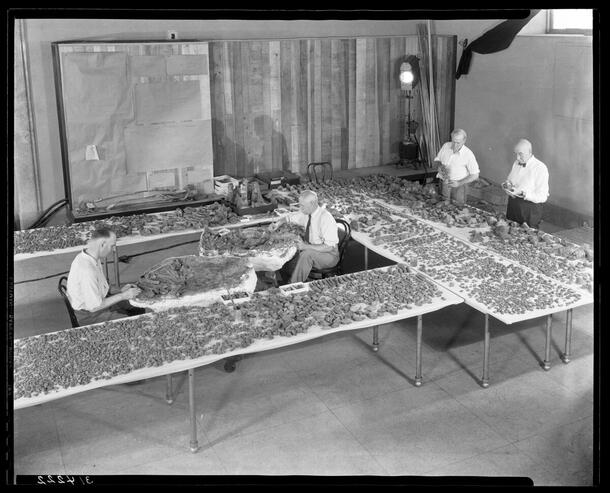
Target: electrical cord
[(46, 215), (124, 259)]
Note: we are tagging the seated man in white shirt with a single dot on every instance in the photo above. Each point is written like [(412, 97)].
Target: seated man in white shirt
[(527, 186), (457, 167), (319, 248), (87, 287)]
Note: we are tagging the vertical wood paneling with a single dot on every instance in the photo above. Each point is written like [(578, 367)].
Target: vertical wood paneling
[(326, 101), (248, 117), (372, 116), (397, 52), (361, 127), (302, 113), (238, 110), (266, 114), (275, 103), (287, 103), (310, 48), (230, 146), (337, 101), (351, 120), (383, 93), (218, 108), (286, 96), (316, 85), (293, 150)]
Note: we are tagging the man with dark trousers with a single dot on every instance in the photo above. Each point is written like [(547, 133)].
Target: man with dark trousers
[(527, 186)]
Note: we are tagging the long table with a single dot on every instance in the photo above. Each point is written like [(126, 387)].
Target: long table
[(245, 222), (446, 298), (460, 235)]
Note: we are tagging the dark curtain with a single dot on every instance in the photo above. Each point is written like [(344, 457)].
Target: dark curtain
[(496, 39)]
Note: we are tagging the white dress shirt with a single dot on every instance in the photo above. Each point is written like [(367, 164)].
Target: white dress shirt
[(459, 164), (532, 179), (323, 227), (87, 285)]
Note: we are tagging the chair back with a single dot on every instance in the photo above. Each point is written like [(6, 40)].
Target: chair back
[(345, 233), (326, 171), (62, 288), (343, 239)]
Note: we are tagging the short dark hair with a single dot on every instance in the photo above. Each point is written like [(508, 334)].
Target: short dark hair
[(101, 232)]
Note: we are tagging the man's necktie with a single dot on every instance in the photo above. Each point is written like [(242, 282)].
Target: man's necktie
[(521, 164), (306, 236)]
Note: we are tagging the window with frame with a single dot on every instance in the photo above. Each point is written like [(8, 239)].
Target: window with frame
[(570, 21)]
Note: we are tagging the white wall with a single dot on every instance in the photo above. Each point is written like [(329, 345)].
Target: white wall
[(540, 88)]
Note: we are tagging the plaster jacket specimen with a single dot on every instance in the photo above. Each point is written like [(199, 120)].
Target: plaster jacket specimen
[(191, 275)]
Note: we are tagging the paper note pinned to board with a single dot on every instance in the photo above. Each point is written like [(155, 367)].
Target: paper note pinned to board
[(91, 153)]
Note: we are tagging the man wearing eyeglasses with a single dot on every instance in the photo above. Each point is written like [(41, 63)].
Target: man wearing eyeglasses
[(527, 186), (457, 167), (318, 249)]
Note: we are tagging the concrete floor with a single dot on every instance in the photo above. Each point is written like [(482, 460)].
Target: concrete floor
[(330, 406)]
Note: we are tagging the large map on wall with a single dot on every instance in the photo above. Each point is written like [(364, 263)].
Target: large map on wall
[(132, 113)]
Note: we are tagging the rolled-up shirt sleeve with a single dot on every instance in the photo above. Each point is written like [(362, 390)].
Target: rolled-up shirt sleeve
[(471, 165), (297, 217)]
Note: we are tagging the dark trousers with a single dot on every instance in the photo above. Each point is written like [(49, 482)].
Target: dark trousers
[(458, 194), (121, 309), (524, 211)]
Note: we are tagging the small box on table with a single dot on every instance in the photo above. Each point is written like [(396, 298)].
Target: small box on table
[(222, 182), (278, 177)]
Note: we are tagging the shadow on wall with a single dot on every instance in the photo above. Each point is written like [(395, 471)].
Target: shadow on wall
[(272, 152), (229, 157)]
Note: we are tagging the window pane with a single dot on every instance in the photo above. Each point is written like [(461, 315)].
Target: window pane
[(572, 19)]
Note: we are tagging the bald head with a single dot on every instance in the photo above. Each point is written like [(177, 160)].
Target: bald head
[(308, 201), (523, 150)]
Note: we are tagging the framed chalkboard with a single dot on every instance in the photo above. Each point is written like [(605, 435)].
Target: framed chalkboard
[(135, 124)]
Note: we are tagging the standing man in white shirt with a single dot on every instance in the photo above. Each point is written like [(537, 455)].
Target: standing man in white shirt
[(457, 167), (527, 186), (87, 286), (319, 248)]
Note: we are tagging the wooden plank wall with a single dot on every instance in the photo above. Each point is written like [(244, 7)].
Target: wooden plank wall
[(285, 103)]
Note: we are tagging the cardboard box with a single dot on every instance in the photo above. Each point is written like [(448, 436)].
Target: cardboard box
[(278, 177), (221, 184), (246, 211)]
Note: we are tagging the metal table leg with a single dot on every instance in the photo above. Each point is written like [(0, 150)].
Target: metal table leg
[(565, 357), (169, 394), (115, 254), (194, 443), (485, 379), (376, 338), (547, 347), (418, 352), (366, 258)]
